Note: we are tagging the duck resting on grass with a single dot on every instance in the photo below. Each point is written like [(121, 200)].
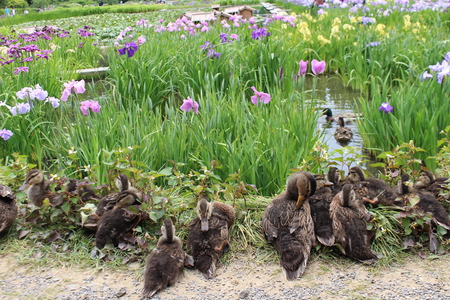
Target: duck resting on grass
[(208, 234), (288, 225), (8, 208)]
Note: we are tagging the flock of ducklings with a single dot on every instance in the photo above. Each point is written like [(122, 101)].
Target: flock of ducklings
[(312, 209)]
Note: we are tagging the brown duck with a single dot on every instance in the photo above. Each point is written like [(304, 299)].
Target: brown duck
[(428, 182), (320, 211), (166, 261), (343, 134), (208, 235), (288, 225), (8, 208), (349, 217)]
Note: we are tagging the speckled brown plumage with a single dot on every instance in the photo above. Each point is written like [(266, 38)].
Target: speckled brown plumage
[(429, 183), (349, 217), (165, 263), (8, 208), (208, 235), (288, 225), (320, 211), (343, 134), (116, 222)]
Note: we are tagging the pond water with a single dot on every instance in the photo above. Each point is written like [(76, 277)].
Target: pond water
[(340, 99)]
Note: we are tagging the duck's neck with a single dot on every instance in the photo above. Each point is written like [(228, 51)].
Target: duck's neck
[(37, 192)]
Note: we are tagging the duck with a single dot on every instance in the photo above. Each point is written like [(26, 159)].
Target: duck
[(349, 216), (428, 182), (165, 263), (288, 225), (116, 222), (427, 202), (328, 113), (39, 188), (372, 190), (342, 134), (320, 211), (122, 183), (334, 176), (208, 234), (8, 208)]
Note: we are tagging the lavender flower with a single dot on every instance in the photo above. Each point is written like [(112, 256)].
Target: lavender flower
[(53, 101), (20, 69), (373, 44), (386, 108), (21, 108), (5, 134)]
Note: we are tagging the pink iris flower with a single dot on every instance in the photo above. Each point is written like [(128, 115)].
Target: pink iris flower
[(90, 104), (318, 67), (189, 104), (303, 67), (77, 86), (260, 97)]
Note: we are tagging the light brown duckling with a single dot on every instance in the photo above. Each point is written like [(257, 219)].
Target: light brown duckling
[(349, 217), (372, 190), (208, 235), (320, 211), (288, 225), (8, 208), (166, 261), (427, 202), (343, 134), (428, 182), (39, 188)]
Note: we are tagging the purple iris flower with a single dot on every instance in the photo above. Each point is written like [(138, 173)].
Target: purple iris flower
[(386, 108), (366, 20), (425, 75), (21, 108), (318, 67), (223, 37), (5, 134), (53, 101), (373, 44), (189, 104), (257, 34), (92, 105), (20, 69), (38, 93), (303, 67), (260, 97), (130, 49)]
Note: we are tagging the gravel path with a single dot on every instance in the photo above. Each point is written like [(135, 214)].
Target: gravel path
[(415, 279)]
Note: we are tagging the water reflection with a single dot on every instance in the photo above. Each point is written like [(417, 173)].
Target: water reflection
[(341, 100)]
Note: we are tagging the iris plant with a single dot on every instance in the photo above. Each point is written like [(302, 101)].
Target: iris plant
[(90, 104), (77, 86), (189, 104), (129, 49), (386, 107), (318, 67), (5, 134), (260, 97)]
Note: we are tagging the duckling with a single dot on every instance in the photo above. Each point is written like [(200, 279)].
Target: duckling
[(288, 225), (109, 201), (39, 188), (437, 186), (208, 234), (334, 176), (116, 222), (8, 208), (343, 134), (320, 211), (427, 202), (165, 263), (349, 217), (371, 190)]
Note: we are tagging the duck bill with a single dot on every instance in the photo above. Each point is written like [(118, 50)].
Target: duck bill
[(328, 183), (205, 225), (300, 201), (24, 186)]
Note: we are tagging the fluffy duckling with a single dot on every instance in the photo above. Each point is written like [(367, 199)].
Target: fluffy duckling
[(208, 235), (320, 211), (343, 134), (371, 190), (109, 201), (116, 222), (288, 225), (39, 188), (8, 208), (349, 217), (437, 186), (427, 202), (165, 263)]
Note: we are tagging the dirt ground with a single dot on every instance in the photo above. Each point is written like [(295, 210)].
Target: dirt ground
[(417, 278)]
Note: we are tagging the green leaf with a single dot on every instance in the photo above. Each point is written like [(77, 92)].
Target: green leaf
[(166, 171), (66, 207)]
